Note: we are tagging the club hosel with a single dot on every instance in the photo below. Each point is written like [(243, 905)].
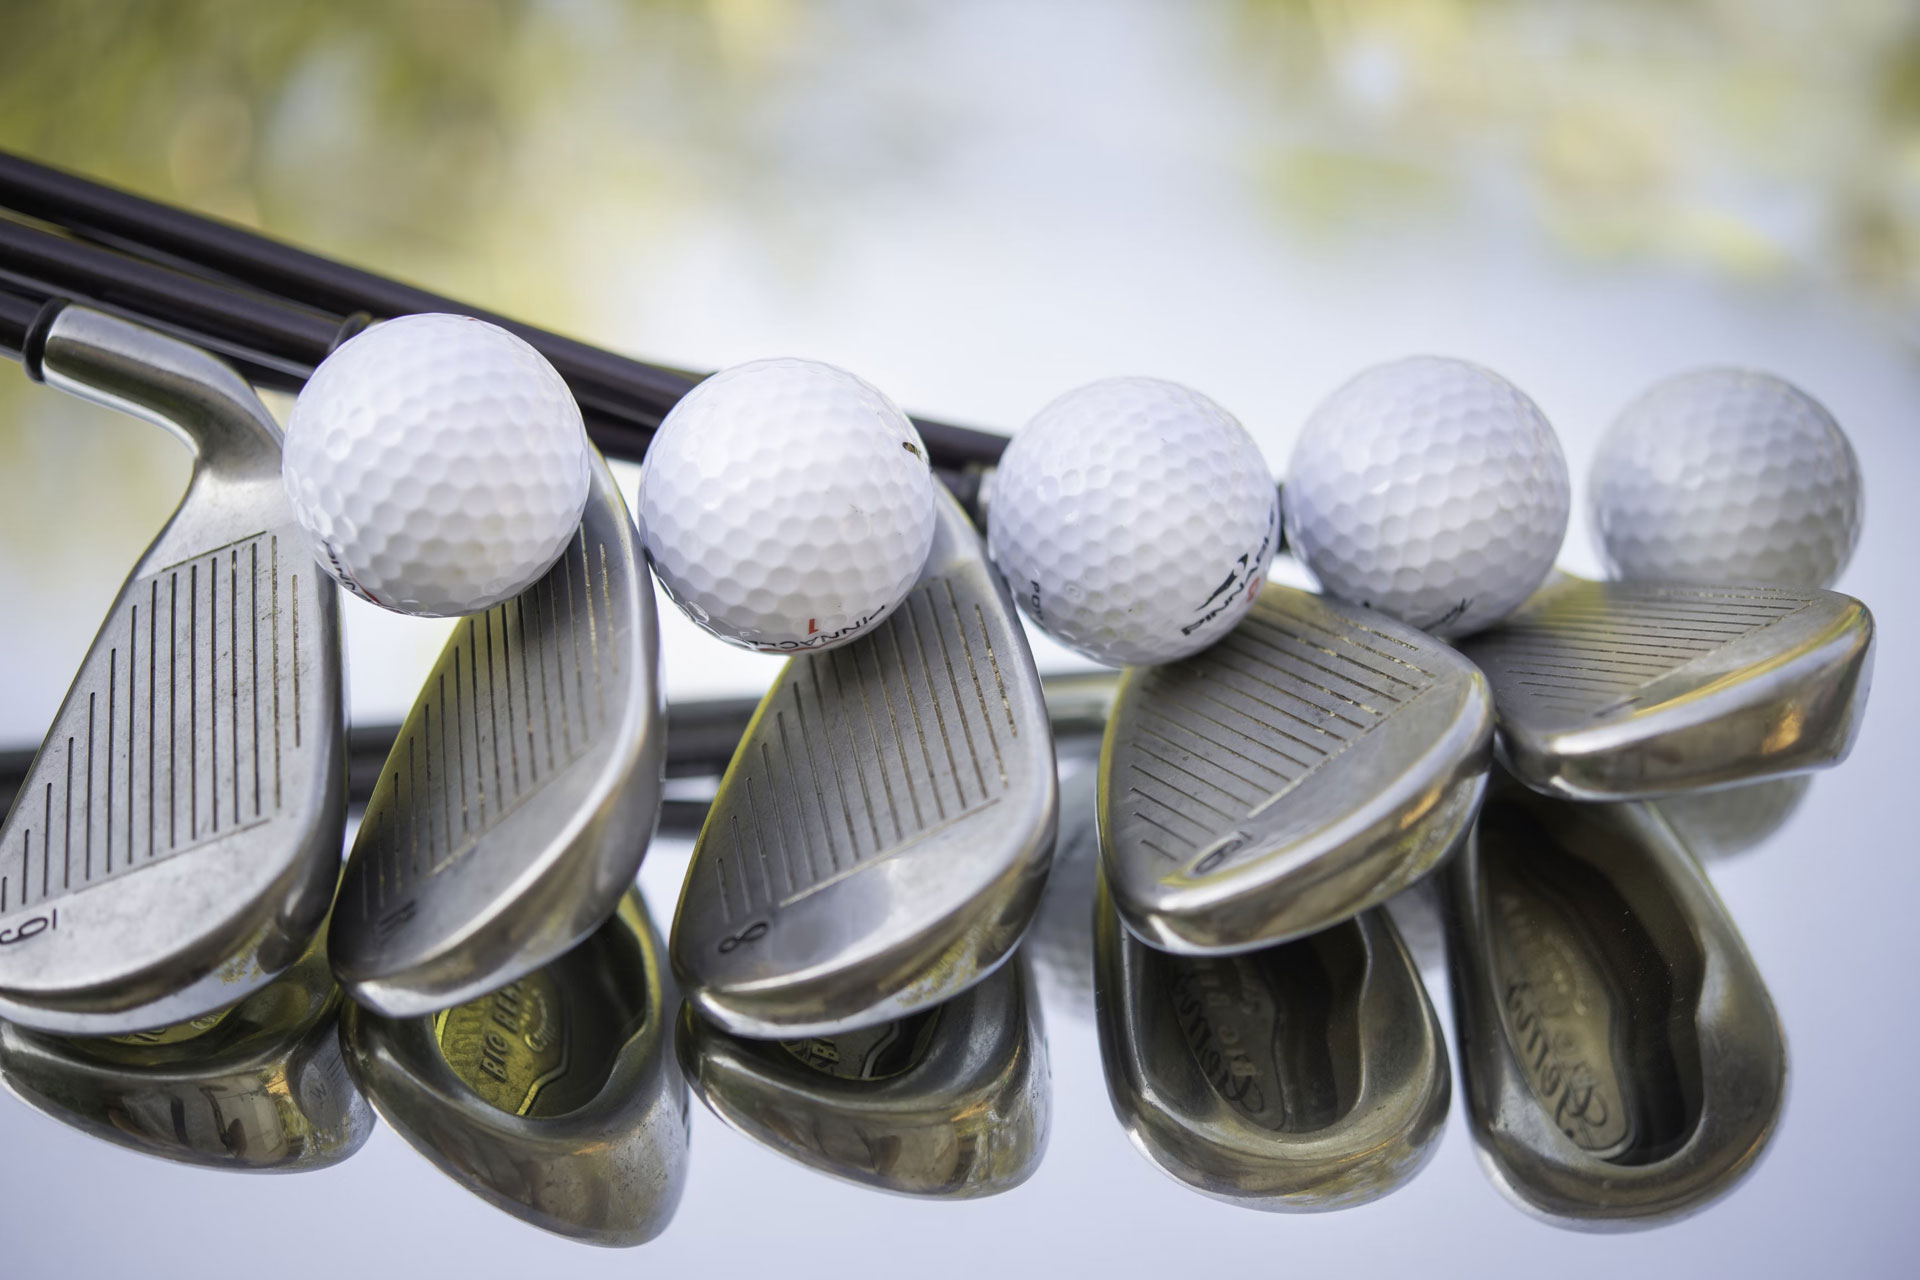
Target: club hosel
[(138, 371)]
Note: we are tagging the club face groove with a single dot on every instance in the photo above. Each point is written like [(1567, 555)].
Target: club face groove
[(1612, 690), (1306, 1076), (519, 797), (1620, 1055), (952, 1102), (880, 838), (1315, 761), (173, 847)]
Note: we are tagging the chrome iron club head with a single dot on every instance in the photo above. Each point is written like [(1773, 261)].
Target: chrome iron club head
[(1310, 1075), (1621, 1059), (1626, 690), (949, 1103), (519, 798), (556, 1098), (177, 840), (258, 1088), (880, 840), (1317, 760)]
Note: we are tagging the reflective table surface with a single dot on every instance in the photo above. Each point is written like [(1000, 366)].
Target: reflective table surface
[(977, 208)]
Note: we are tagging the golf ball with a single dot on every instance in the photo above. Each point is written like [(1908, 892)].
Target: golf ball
[(1430, 489), (438, 464), (1134, 520), (1724, 476), (787, 505)]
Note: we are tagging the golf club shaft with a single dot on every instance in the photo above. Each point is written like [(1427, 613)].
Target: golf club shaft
[(239, 273)]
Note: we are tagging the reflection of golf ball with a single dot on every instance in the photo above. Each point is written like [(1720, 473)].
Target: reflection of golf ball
[(1720, 824), (787, 505), (1429, 489), (438, 463), (1727, 476), (1134, 520)]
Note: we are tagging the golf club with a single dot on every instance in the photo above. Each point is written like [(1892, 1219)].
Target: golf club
[(177, 839), (881, 838), (948, 1103), (1317, 760), (260, 1088), (1311, 1075), (1635, 690), (556, 1098), (1621, 1059), (520, 795)]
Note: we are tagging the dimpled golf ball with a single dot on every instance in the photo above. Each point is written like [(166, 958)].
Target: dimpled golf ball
[(438, 464), (1725, 476), (1134, 520), (1430, 489), (787, 505)]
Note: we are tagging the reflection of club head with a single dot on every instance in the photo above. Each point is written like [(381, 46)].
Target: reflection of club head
[(880, 840), (518, 800), (1317, 760), (556, 1098), (259, 1087), (1626, 690), (176, 842), (1621, 1059), (1730, 821), (951, 1102), (1060, 944), (1310, 1075)]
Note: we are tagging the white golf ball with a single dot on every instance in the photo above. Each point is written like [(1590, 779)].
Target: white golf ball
[(1429, 489), (787, 505), (1134, 520), (438, 464), (1725, 476)]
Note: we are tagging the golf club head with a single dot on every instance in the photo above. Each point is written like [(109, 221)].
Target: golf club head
[(1317, 760), (556, 1098), (948, 1103), (258, 1088), (1634, 690), (881, 838), (177, 841), (519, 798), (1621, 1059), (1311, 1075)]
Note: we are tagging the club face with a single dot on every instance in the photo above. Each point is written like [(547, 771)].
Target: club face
[(1311, 1075), (1318, 759), (1621, 1059), (176, 842), (262, 1089), (948, 1103), (1613, 690), (519, 798), (880, 839), (575, 1118)]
